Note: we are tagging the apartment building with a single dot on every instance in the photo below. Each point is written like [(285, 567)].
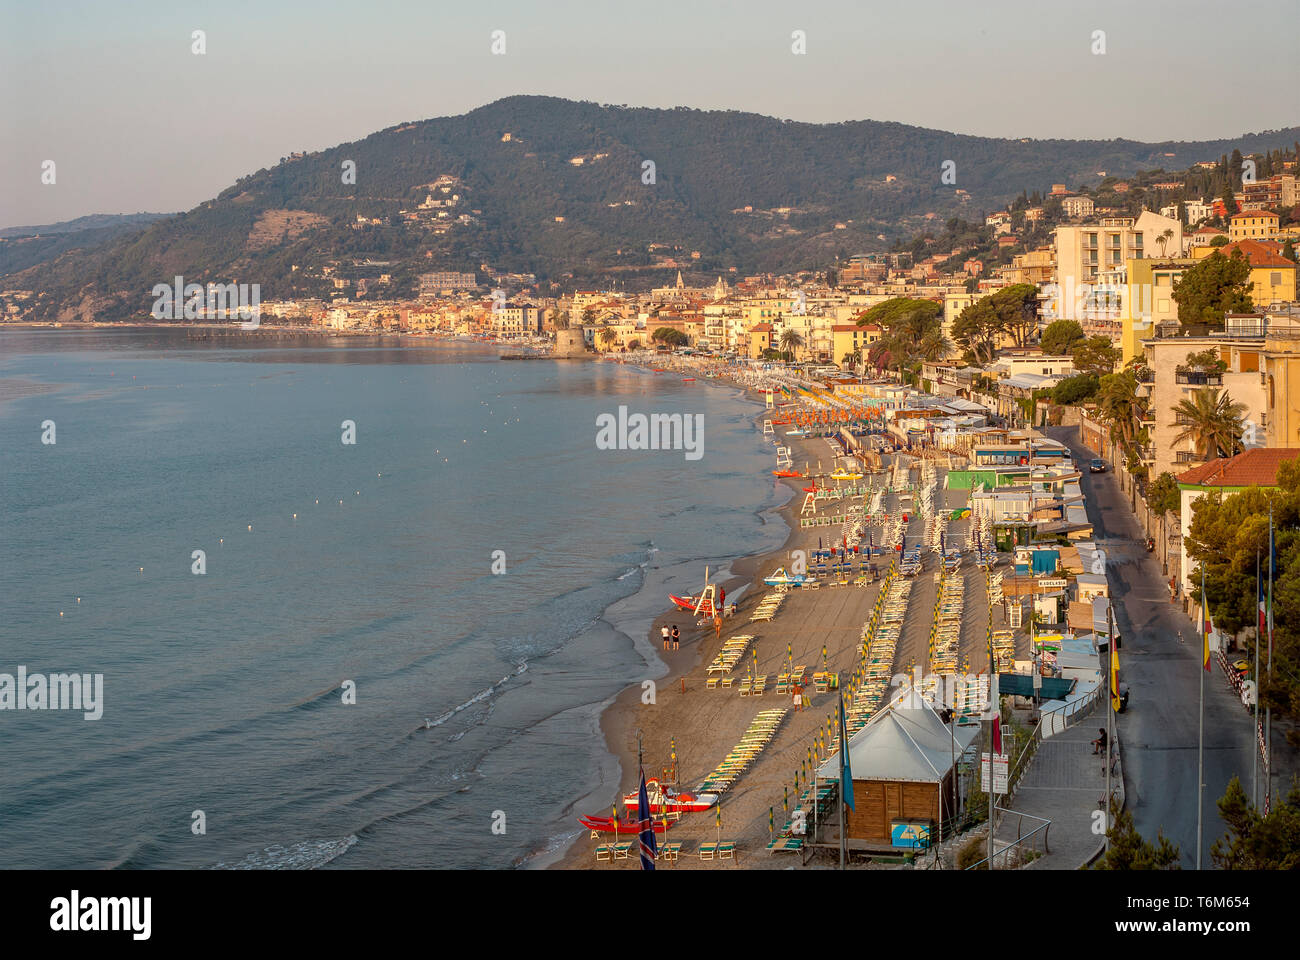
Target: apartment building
[(1253, 225), (1272, 276), (1090, 265)]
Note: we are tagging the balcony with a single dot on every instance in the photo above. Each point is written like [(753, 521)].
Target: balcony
[(1187, 456), (1146, 375), (1198, 378)]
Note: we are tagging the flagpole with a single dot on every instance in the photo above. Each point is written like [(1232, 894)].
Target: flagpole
[(1200, 745), (1254, 779), (1268, 711), (1110, 712)]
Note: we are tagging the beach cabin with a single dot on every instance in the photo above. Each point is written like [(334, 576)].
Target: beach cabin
[(903, 764)]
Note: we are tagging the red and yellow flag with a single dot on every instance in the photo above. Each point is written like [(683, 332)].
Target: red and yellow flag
[(1114, 676), (1206, 627)]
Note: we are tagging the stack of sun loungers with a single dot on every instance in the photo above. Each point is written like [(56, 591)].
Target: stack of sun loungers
[(756, 738), (768, 607), (945, 635), (971, 696), (911, 564), (732, 652), (1004, 650), (995, 588)]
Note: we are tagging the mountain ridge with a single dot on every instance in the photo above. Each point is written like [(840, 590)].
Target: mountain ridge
[(560, 188)]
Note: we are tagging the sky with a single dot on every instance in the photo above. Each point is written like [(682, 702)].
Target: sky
[(135, 121)]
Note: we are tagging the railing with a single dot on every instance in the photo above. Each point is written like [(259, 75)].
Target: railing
[(1021, 838), (1198, 378), (1184, 456)]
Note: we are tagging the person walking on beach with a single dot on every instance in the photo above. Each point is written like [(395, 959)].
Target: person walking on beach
[(677, 638), (717, 626), (664, 633)]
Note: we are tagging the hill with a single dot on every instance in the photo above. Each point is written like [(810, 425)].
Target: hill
[(560, 189)]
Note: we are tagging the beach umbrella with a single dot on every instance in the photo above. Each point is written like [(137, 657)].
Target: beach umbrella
[(785, 798), (718, 819), (771, 822), (823, 658)]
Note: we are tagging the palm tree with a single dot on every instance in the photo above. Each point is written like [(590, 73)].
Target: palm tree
[(791, 341), (1119, 406), (607, 336), (1212, 422), (1164, 238), (935, 346)]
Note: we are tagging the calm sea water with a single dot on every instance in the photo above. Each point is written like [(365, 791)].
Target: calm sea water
[(224, 692)]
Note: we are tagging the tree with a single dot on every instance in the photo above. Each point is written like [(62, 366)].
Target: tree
[(1130, 851), (561, 320), (1119, 406), (670, 336), (791, 341), (1164, 238), (1096, 355), (1208, 361), (1059, 338), (1225, 537), (906, 323), (1288, 251), (1214, 286), (1219, 241), (1073, 390), (1255, 842), (1011, 312), (1164, 498), (1211, 421), (607, 336), (832, 278)]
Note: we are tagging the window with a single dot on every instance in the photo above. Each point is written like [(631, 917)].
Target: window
[(1275, 279)]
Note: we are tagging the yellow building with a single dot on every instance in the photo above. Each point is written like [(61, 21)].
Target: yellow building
[(1147, 300), (850, 338), (1272, 276), (760, 339), (1253, 225)]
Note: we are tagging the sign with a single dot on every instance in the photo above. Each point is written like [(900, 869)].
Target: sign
[(999, 773), (1052, 584), (913, 835)]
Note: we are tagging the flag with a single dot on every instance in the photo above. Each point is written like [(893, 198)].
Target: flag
[(997, 735), (646, 827), (1206, 626), (1114, 677), (846, 773)]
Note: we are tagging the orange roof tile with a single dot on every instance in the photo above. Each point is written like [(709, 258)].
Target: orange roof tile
[(1256, 467)]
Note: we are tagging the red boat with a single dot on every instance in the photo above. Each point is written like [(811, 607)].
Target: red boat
[(627, 828), (661, 802), (688, 379), (708, 604), (786, 473)]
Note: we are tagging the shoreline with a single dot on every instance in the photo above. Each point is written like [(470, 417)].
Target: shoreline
[(617, 721)]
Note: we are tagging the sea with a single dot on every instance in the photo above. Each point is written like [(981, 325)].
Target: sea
[(385, 653)]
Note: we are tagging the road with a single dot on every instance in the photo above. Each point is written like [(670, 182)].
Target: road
[(1160, 660)]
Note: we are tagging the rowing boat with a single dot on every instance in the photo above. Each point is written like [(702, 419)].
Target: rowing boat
[(670, 802)]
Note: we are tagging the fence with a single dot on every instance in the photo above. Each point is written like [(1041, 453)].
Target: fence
[(1003, 857)]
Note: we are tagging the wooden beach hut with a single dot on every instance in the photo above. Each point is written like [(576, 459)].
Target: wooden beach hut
[(903, 771)]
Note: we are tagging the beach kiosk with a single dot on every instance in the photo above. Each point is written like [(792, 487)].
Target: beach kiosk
[(903, 764)]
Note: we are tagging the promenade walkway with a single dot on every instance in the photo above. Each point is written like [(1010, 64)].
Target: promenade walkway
[(1064, 783)]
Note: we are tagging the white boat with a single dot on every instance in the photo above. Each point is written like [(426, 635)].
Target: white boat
[(779, 577)]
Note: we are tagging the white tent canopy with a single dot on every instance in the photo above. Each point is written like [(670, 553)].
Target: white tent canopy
[(903, 742)]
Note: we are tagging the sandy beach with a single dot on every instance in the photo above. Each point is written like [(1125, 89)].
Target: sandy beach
[(708, 723)]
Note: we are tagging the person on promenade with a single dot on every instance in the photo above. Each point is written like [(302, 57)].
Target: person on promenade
[(677, 638), (664, 633), (1099, 744)]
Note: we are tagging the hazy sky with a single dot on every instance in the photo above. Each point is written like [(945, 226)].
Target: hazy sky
[(134, 121)]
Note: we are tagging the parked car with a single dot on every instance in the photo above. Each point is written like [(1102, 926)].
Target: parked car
[(1097, 466)]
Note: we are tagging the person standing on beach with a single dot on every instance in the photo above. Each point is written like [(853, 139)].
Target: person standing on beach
[(677, 638), (717, 625), (664, 633)]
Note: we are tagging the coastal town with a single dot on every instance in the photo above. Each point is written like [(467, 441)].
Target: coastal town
[(998, 440)]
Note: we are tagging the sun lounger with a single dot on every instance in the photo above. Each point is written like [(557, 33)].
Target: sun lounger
[(707, 850), (604, 852), (727, 850), (623, 850)]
